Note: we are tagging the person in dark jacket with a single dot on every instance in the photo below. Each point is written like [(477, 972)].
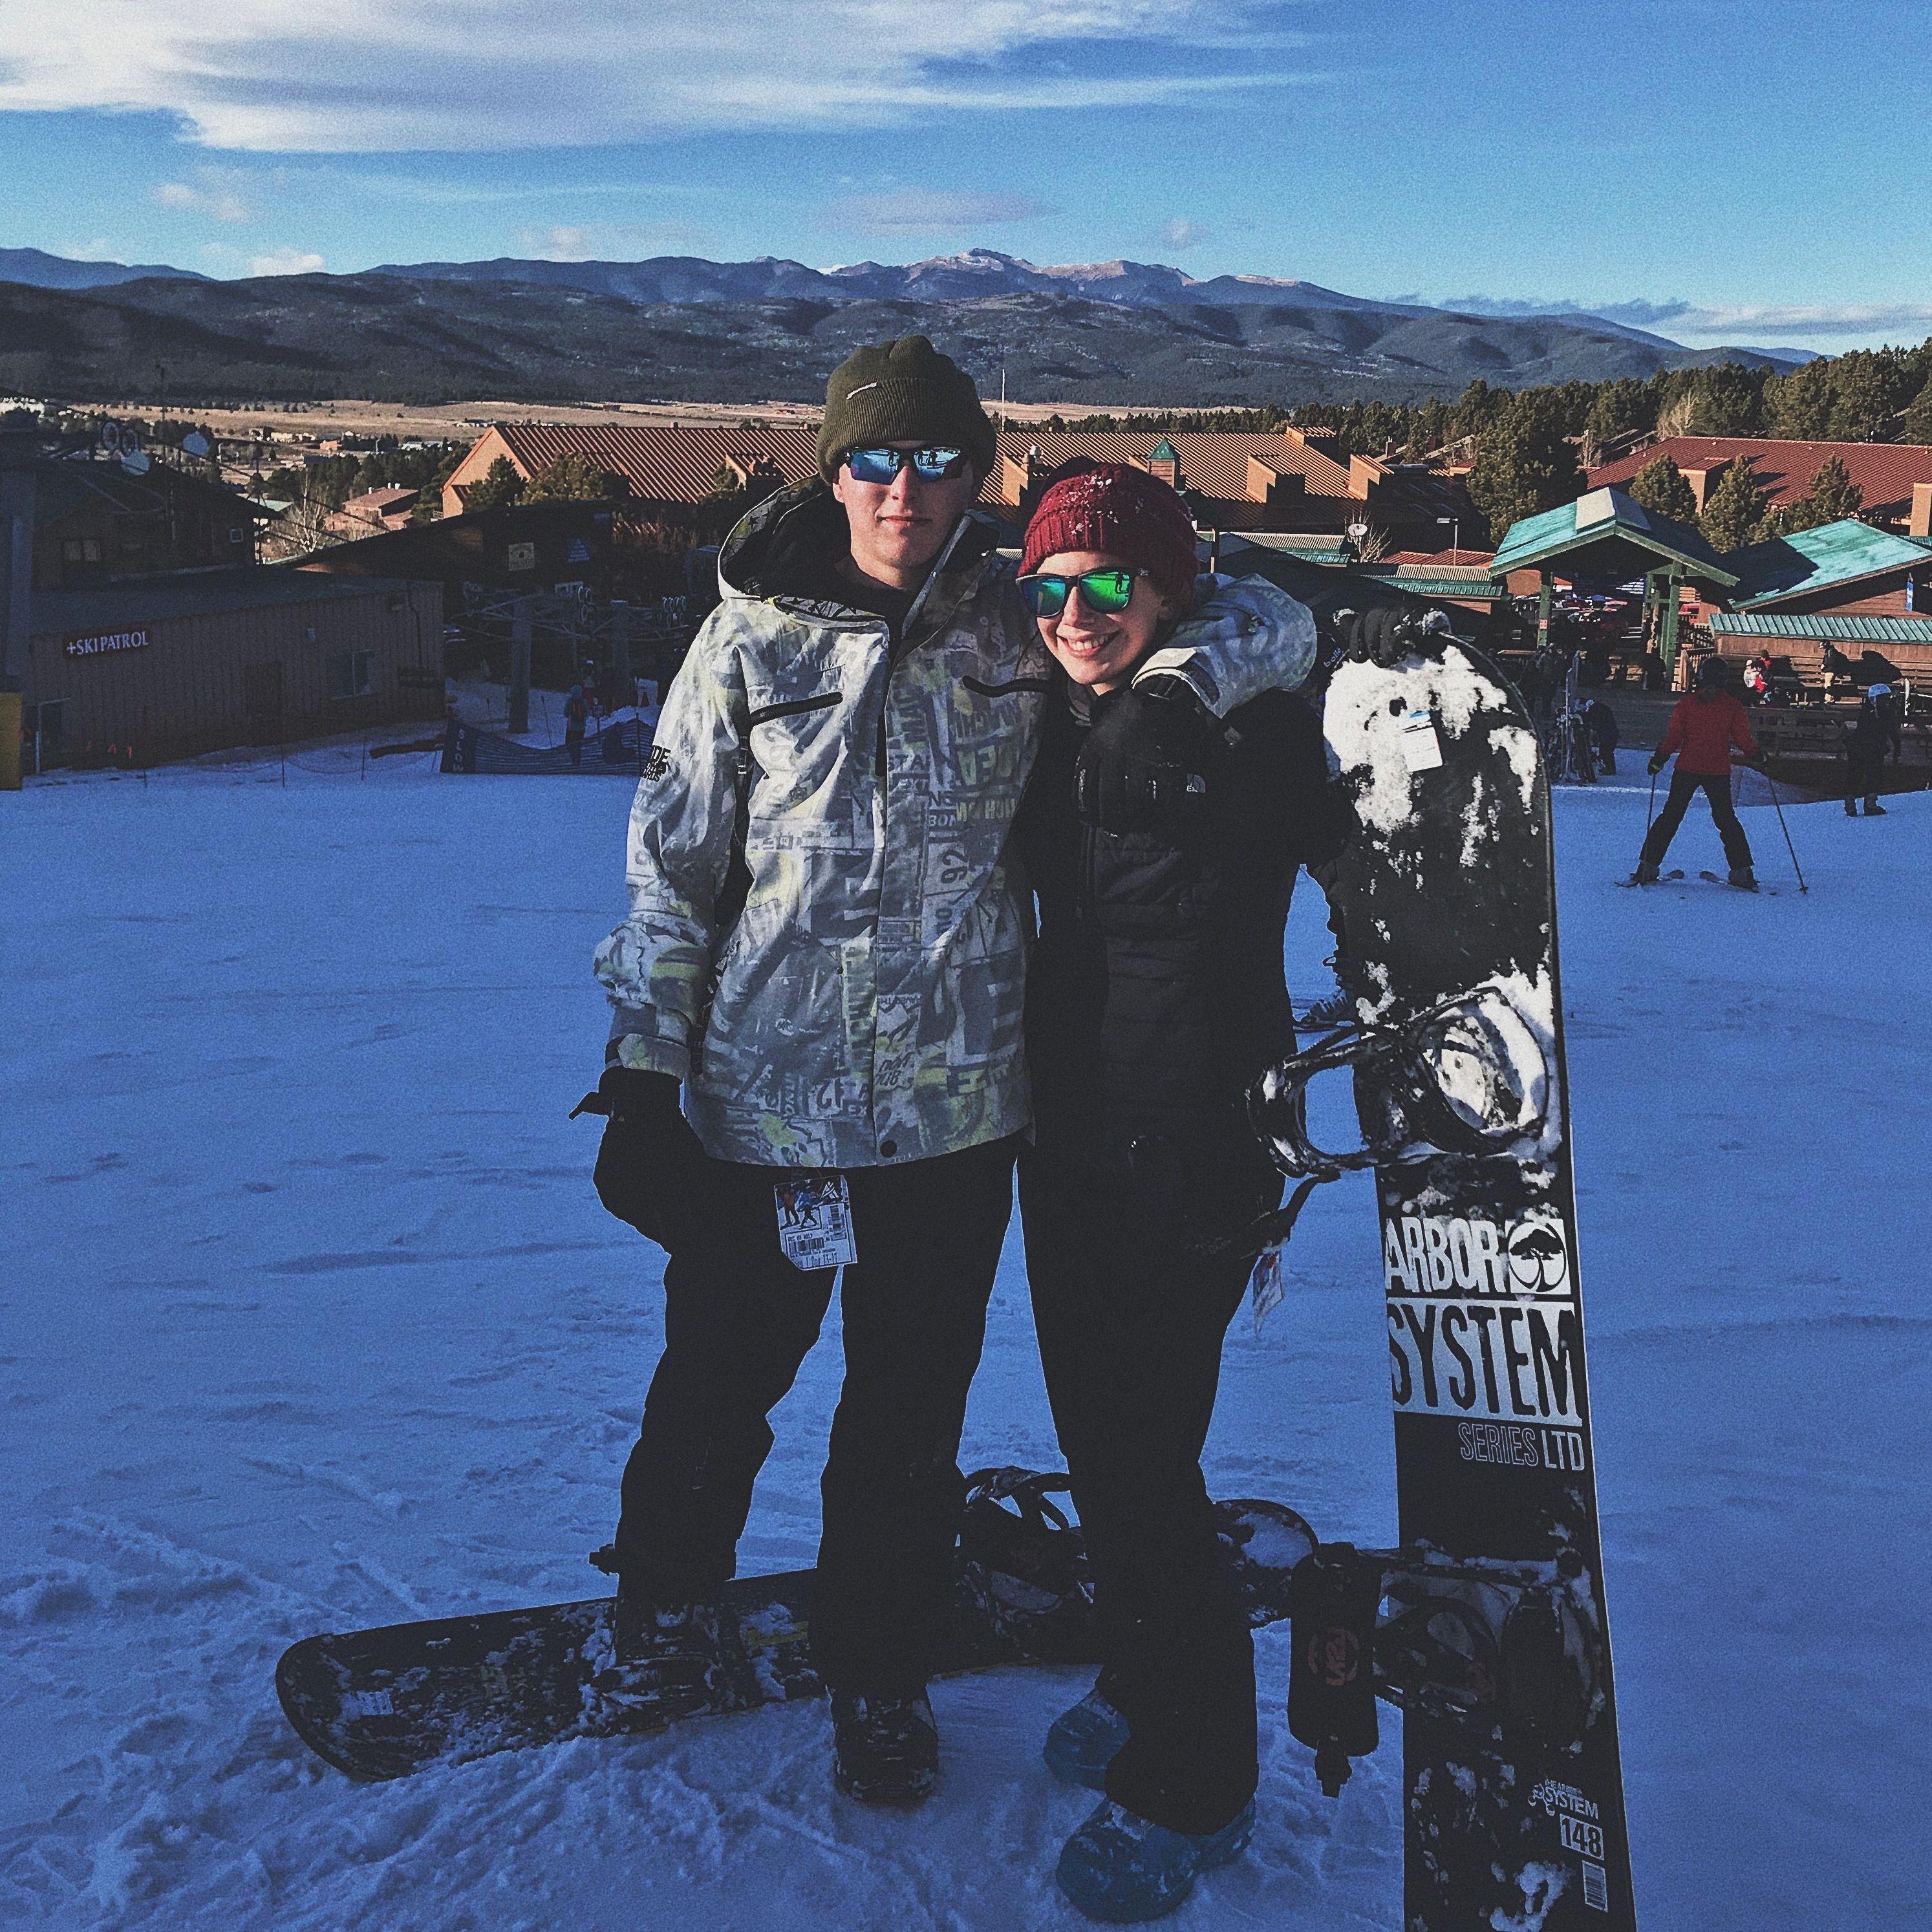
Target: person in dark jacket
[(1154, 998), (1704, 728), (1869, 735), (1600, 721)]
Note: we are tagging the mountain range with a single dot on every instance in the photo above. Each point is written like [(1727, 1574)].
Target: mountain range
[(682, 327)]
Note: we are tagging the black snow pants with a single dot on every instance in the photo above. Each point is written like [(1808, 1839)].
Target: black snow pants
[(1716, 787), (739, 1320), (1130, 1324), (1864, 772)]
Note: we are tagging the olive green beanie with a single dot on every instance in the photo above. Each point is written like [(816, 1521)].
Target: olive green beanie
[(898, 391)]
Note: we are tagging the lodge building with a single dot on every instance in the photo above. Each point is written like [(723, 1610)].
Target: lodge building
[(1291, 479)]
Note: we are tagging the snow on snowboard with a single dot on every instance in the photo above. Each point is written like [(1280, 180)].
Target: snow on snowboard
[(383, 1703), (1489, 1626)]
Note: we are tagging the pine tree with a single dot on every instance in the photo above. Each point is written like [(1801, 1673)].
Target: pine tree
[(1800, 404), (1864, 396), (572, 478), (1918, 424), (1660, 486), (1621, 407), (500, 484), (1525, 461), (1734, 509), (1832, 497), (1729, 401)]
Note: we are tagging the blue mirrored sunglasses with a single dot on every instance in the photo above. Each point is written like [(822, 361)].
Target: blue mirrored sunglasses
[(933, 465)]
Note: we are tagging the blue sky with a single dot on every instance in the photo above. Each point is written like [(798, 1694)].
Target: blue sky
[(1733, 170)]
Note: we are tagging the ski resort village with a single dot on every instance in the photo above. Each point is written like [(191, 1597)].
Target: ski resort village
[(995, 1090)]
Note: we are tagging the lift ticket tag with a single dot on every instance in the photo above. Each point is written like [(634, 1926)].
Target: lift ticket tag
[(1421, 751), (815, 1221)]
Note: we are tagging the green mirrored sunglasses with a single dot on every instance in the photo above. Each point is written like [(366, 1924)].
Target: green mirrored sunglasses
[(1104, 591)]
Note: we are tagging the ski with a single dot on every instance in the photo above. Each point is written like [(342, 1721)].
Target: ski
[(1514, 1806), (1718, 879)]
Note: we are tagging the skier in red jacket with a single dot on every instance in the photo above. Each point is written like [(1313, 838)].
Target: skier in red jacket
[(1704, 728)]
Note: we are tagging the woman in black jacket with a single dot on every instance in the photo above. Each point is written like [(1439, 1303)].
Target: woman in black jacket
[(1155, 996)]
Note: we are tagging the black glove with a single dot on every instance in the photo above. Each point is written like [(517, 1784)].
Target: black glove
[(1386, 635), (1152, 756), (1657, 762), (651, 1170)]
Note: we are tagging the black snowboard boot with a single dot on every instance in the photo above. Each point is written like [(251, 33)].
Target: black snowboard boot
[(885, 1750), (665, 1645), (1851, 807), (1744, 878), (1873, 809), (1646, 873)]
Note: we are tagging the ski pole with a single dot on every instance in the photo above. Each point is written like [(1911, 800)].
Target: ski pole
[(1650, 811), (1786, 830)]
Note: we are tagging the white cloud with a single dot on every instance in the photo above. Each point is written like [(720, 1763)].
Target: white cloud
[(1719, 325), (1912, 321), (928, 211), (610, 241), (417, 74), (286, 261), (217, 193), (1180, 232)]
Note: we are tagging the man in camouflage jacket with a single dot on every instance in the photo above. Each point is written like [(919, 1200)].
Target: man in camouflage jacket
[(825, 948)]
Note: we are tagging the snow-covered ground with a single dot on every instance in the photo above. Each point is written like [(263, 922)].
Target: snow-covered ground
[(309, 1319)]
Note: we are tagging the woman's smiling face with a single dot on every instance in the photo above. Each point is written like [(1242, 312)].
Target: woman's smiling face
[(1100, 648)]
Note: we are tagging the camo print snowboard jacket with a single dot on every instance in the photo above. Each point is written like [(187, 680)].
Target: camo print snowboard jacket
[(864, 1007)]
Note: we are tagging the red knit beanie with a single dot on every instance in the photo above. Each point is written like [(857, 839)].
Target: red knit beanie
[(1124, 512)]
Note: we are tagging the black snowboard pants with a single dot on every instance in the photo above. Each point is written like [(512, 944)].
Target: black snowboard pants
[(739, 1320), (1864, 772), (1717, 787), (1130, 1324)]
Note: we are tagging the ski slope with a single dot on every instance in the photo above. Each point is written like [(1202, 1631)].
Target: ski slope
[(309, 1320)]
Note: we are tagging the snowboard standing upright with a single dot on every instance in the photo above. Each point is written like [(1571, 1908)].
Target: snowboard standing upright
[(1492, 1633)]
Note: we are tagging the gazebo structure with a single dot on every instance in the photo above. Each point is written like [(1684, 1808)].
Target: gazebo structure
[(1607, 536)]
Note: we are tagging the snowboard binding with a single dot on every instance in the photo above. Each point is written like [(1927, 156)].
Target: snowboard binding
[(1024, 1577), (1470, 1076), (1511, 1653), (1023, 1565)]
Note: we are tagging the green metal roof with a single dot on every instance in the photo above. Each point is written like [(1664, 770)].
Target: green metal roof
[(1305, 549), (1419, 581), (1822, 630), (1163, 451), (1810, 561), (1606, 533)]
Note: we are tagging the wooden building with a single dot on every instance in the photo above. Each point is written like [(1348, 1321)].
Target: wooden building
[(1844, 587), (93, 520), (514, 547), (1290, 480), (149, 669), (1894, 478)]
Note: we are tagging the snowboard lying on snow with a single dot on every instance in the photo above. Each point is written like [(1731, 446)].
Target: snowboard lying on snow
[(1488, 1625), (383, 1703)]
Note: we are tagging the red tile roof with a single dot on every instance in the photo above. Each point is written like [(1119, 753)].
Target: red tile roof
[(1214, 462), (674, 462), (679, 462), (1885, 471)]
